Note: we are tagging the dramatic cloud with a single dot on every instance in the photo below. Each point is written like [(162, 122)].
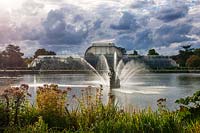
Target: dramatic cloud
[(68, 26), (126, 22), (172, 13), (168, 34)]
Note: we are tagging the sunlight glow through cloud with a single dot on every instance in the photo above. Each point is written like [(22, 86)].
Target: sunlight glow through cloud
[(133, 24)]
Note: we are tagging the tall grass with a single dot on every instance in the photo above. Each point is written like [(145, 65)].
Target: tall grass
[(52, 113)]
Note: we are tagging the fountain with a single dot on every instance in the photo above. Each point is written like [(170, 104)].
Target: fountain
[(109, 70), (114, 79), (118, 73), (103, 69)]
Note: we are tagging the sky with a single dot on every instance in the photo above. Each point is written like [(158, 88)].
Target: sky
[(70, 26)]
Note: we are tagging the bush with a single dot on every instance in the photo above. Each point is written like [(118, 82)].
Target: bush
[(13, 103), (51, 105), (190, 106), (51, 114), (193, 61)]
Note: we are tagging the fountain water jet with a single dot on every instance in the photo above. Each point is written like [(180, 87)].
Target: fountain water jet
[(123, 72), (95, 71), (114, 79), (110, 70), (103, 69), (118, 72), (130, 69)]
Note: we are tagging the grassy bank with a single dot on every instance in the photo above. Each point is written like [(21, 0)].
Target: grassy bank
[(53, 112)]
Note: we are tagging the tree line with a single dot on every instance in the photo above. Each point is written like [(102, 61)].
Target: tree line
[(12, 57), (188, 57)]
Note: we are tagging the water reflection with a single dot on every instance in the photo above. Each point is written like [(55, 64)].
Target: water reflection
[(140, 91)]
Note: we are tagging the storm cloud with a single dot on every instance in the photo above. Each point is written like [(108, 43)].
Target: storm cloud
[(71, 26), (168, 14), (59, 31), (126, 22)]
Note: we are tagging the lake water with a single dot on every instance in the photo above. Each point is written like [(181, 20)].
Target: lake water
[(141, 91)]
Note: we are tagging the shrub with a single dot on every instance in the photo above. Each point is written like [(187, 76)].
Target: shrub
[(51, 105), (193, 61), (194, 127), (38, 127), (52, 114), (190, 106), (13, 103)]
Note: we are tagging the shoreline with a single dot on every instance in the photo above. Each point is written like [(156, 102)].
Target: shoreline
[(44, 72), (83, 71), (174, 71)]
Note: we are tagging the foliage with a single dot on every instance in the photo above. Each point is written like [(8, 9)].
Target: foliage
[(135, 52), (152, 52), (191, 102), (14, 109), (43, 52), (183, 55), (51, 105), (38, 127), (197, 52), (28, 60), (11, 57), (194, 127), (123, 50), (14, 99), (88, 114), (190, 106), (193, 61), (161, 103)]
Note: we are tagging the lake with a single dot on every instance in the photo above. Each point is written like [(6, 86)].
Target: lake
[(141, 91)]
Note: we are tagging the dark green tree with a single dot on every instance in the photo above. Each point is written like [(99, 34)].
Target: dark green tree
[(152, 52), (135, 52), (184, 55), (123, 50), (197, 52), (43, 52), (12, 57)]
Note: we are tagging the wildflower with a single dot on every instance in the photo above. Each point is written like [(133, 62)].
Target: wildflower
[(29, 94), (24, 86), (161, 100), (69, 88), (73, 96), (64, 91)]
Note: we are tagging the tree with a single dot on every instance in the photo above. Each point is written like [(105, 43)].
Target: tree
[(197, 52), (123, 50), (28, 60), (187, 47), (152, 52), (135, 52), (193, 61), (184, 55), (43, 52), (1, 61), (12, 57)]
